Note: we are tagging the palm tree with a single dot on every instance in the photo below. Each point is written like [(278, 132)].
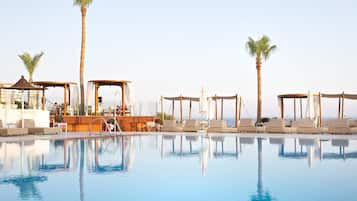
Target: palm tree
[(83, 5), (30, 63), (260, 49)]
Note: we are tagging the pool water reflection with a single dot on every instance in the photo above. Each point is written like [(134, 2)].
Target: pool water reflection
[(179, 167)]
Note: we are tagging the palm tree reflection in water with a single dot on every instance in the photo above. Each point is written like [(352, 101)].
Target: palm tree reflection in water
[(260, 194)]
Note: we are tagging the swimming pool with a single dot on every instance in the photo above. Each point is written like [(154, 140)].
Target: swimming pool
[(181, 167)]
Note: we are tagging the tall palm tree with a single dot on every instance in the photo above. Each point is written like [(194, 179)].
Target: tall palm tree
[(30, 63), (260, 49), (83, 5)]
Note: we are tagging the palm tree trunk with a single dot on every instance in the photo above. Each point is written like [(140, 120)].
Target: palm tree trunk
[(259, 85), (81, 67)]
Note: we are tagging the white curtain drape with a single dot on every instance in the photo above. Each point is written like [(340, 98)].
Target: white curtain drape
[(90, 97)]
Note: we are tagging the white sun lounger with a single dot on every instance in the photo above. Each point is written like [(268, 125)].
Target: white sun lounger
[(248, 126), (171, 126), (278, 126), (220, 126)]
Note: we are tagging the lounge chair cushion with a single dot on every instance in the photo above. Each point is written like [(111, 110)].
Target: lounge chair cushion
[(222, 130), (304, 123), (13, 131), (44, 131), (246, 123), (218, 124), (169, 123), (191, 126)]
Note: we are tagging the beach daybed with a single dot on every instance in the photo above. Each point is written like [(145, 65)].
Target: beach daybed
[(278, 126), (171, 126), (340, 126), (307, 126), (248, 126), (191, 126), (12, 131), (32, 129), (220, 126)]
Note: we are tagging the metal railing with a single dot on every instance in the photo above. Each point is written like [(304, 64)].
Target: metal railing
[(108, 128)]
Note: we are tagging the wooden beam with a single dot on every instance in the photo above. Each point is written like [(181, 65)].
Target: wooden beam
[(222, 109)]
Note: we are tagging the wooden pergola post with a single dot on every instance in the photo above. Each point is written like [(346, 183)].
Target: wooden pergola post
[(190, 112), (123, 105), (320, 109), (300, 108), (43, 98), (173, 109), (216, 108), (65, 101), (339, 107), (343, 105), (96, 104), (236, 122), (162, 109), (240, 107), (181, 109), (222, 109), (282, 108), (294, 109)]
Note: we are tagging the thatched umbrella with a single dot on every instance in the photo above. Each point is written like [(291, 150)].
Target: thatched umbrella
[(23, 85)]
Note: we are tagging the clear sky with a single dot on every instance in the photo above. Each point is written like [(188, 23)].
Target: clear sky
[(175, 47)]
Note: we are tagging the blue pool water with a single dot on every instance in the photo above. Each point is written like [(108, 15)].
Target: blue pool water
[(156, 168)]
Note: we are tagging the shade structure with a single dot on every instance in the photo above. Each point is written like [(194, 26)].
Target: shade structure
[(23, 85)]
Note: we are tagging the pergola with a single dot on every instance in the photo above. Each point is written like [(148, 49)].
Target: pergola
[(295, 97), (121, 83), (238, 104), (66, 91), (341, 102)]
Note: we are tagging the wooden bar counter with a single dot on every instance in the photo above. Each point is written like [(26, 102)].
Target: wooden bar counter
[(96, 124)]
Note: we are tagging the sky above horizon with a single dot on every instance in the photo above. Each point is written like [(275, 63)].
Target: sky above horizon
[(172, 48)]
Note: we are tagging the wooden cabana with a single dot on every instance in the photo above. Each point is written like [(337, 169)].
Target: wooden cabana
[(341, 102), (180, 99), (66, 92), (238, 104), (295, 98), (121, 83)]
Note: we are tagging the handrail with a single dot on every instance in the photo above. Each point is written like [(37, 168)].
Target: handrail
[(107, 127)]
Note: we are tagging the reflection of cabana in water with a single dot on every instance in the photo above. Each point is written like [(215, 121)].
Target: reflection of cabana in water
[(341, 144), (181, 153), (127, 154), (216, 99), (94, 85), (70, 94)]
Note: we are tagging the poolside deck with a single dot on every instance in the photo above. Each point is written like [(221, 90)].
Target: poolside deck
[(86, 135)]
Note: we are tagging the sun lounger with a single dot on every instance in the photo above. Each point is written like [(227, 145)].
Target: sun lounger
[(340, 126), (171, 126), (248, 126), (191, 126), (278, 126), (12, 131), (307, 126), (220, 126), (33, 130)]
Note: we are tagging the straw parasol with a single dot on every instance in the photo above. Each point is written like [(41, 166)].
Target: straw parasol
[(23, 85)]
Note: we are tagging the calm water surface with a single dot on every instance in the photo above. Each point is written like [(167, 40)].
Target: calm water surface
[(179, 168)]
